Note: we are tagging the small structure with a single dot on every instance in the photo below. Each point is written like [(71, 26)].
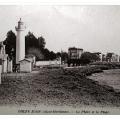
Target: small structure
[(25, 65), (32, 58)]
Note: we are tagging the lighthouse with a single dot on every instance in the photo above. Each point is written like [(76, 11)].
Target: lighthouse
[(20, 41)]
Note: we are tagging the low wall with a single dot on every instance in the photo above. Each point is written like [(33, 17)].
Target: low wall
[(46, 63)]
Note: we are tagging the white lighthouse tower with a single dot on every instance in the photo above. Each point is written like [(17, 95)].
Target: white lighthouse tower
[(20, 42)]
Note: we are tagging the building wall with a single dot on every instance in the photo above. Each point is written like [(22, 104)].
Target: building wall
[(9, 66), (4, 66), (25, 66), (44, 63), (79, 53), (73, 54)]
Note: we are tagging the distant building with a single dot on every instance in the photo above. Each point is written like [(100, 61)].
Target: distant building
[(110, 57), (103, 58), (115, 58), (74, 53)]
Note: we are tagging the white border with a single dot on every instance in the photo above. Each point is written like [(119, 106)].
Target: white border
[(59, 2), (60, 117)]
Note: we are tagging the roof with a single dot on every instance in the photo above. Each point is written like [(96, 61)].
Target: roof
[(74, 48), (25, 59), (30, 59)]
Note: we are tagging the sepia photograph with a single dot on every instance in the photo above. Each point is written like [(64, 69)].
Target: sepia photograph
[(60, 59)]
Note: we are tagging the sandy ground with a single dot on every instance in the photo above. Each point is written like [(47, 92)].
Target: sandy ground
[(56, 87), (109, 78)]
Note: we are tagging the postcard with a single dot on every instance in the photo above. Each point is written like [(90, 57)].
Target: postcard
[(59, 59)]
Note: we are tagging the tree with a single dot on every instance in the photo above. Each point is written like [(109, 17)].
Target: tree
[(95, 56), (64, 56), (41, 43), (88, 57), (85, 58), (10, 45), (30, 41), (58, 54), (33, 45), (36, 44), (109, 56), (52, 55)]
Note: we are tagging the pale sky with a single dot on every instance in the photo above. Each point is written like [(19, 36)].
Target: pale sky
[(93, 28)]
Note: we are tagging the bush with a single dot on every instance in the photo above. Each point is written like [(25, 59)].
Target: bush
[(36, 52)]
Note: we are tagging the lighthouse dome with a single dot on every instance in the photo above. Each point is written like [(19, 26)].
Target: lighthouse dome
[(20, 24), (20, 21)]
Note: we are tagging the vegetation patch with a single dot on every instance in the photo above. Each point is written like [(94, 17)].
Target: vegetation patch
[(58, 87)]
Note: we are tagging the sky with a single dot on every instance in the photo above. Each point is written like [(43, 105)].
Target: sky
[(93, 28)]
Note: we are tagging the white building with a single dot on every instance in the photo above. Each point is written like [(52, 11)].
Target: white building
[(74, 53), (115, 58)]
